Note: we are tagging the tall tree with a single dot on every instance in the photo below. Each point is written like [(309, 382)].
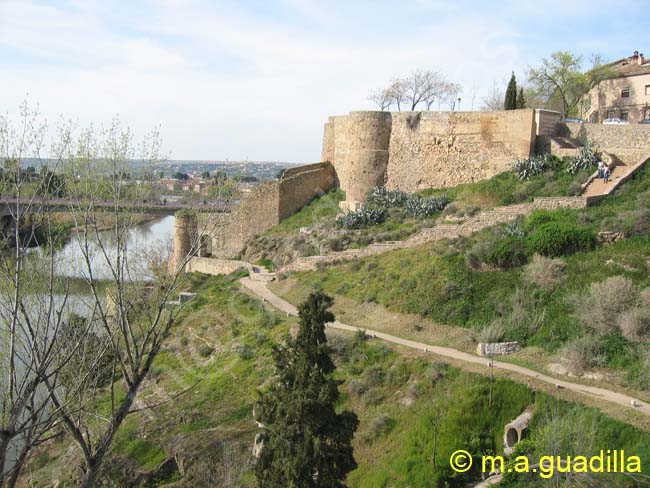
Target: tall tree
[(305, 442), (561, 76), (521, 99), (510, 102)]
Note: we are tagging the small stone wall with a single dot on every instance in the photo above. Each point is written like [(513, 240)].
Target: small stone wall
[(546, 122), (614, 138), (212, 266), (497, 348)]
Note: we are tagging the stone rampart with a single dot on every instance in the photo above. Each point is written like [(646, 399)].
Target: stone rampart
[(414, 150), (267, 205)]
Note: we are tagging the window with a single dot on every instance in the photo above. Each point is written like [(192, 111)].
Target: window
[(625, 93), (625, 115), (647, 89)]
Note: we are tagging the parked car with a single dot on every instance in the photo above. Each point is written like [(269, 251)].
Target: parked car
[(615, 121), (574, 120), (645, 121)]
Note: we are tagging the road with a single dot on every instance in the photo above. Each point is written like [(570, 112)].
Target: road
[(260, 289)]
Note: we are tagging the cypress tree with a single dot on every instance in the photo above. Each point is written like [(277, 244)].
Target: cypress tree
[(305, 442), (511, 94), (521, 99)]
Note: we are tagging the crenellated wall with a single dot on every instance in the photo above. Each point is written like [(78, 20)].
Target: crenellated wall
[(414, 150)]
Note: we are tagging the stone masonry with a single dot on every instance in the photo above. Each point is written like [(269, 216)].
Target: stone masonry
[(414, 150)]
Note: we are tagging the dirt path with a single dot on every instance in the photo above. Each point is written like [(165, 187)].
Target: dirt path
[(260, 289)]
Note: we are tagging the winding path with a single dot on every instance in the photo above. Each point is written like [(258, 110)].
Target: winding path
[(260, 289)]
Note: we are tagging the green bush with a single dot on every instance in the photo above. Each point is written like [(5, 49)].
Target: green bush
[(508, 253), (554, 239)]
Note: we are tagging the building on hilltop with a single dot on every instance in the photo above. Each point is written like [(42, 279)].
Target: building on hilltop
[(624, 95)]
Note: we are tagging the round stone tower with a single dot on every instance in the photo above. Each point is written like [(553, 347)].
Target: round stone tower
[(185, 237), (361, 154)]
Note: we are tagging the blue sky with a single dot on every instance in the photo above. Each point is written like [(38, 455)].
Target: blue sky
[(257, 79)]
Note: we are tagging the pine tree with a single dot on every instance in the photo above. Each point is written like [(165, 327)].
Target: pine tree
[(306, 444), (521, 99), (511, 94)]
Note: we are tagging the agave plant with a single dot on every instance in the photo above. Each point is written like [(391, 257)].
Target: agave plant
[(382, 197), (365, 217), (586, 158), (417, 206), (528, 168)]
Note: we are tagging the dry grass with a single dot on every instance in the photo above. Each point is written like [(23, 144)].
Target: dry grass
[(545, 273), (602, 305)]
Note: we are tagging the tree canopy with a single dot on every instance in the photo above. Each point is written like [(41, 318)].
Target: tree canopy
[(305, 442)]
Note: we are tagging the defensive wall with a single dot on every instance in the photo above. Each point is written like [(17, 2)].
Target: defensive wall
[(415, 150), (224, 235), (404, 150)]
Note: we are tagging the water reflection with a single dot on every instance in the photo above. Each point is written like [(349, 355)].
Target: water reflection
[(144, 241)]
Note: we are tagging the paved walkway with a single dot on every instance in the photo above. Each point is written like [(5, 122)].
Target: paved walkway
[(260, 289)]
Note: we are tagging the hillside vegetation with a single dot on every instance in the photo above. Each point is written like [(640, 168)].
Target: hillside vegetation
[(413, 411), (545, 281)]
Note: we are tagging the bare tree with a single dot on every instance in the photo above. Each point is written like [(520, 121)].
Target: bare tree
[(494, 99), (56, 364), (398, 92), (34, 301), (422, 87), (382, 97)]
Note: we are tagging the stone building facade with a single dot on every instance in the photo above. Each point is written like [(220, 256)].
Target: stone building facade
[(625, 95)]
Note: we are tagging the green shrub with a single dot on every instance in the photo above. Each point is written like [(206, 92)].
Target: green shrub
[(539, 217), (507, 253), (205, 350), (554, 239)]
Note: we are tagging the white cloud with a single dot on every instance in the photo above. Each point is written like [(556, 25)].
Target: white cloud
[(224, 80)]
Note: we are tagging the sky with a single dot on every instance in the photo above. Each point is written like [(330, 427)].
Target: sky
[(254, 79)]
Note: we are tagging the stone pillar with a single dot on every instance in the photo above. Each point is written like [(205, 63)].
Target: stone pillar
[(361, 154), (185, 237)]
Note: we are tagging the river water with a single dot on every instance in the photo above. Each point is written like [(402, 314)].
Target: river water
[(144, 241)]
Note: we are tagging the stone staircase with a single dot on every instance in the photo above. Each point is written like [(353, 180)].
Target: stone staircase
[(595, 188)]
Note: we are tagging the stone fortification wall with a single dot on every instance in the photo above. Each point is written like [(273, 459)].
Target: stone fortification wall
[(299, 186), (444, 149), (628, 142), (612, 137), (414, 150), (267, 205)]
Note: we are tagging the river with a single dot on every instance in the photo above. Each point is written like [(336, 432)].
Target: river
[(145, 239)]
